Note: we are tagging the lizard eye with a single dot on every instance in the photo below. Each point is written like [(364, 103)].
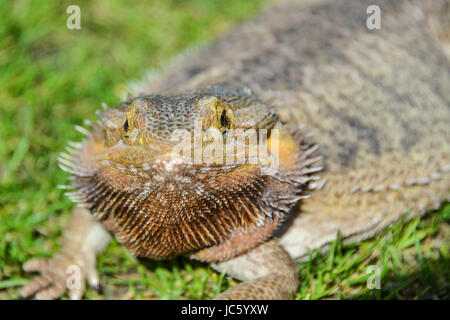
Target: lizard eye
[(125, 126), (224, 120)]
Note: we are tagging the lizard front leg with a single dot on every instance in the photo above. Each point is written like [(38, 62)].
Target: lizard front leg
[(268, 272), (83, 239)]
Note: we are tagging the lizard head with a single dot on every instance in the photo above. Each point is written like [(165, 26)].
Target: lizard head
[(178, 173), (149, 128)]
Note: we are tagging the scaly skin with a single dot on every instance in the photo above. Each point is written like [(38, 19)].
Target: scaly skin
[(375, 101)]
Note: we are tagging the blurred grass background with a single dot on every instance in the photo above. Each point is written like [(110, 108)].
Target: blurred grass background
[(52, 78)]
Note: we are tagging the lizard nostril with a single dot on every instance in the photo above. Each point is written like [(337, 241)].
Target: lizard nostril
[(224, 120)]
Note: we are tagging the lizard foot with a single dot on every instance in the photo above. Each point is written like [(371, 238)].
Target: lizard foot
[(66, 272)]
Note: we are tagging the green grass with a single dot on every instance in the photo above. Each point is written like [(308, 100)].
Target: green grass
[(52, 78)]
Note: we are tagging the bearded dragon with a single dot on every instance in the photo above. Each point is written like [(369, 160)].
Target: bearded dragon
[(362, 121)]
